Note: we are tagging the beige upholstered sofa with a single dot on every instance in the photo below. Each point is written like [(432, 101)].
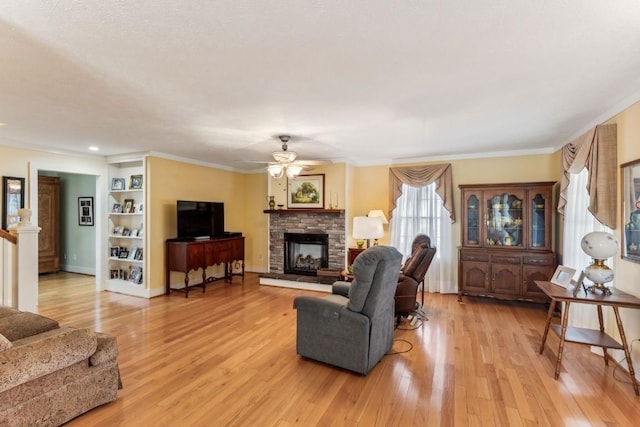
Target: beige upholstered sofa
[(51, 374)]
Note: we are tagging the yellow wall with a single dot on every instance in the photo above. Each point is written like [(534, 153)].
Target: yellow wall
[(627, 273), (334, 186), (372, 183), (170, 180)]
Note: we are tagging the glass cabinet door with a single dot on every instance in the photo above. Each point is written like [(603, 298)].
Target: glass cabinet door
[(472, 237), (540, 210), (504, 219)]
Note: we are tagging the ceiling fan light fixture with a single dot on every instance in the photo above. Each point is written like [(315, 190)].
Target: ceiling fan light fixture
[(275, 171), (293, 171), (284, 156)]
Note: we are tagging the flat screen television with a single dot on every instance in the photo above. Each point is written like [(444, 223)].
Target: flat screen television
[(200, 219)]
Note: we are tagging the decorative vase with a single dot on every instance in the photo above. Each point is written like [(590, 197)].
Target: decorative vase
[(272, 202)]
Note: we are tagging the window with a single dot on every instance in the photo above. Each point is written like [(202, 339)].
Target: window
[(420, 210), (578, 221)]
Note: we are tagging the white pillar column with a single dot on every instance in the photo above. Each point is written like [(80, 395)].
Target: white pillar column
[(27, 261)]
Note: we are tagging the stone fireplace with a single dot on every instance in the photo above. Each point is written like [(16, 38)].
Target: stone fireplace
[(326, 222)]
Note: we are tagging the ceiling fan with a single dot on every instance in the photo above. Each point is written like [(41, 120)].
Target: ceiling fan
[(286, 163)]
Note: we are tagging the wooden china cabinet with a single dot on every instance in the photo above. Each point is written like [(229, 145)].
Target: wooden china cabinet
[(506, 240)]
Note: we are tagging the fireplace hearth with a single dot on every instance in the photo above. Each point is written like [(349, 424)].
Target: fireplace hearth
[(305, 253)]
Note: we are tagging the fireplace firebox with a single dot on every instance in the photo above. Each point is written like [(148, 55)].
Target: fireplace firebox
[(305, 253)]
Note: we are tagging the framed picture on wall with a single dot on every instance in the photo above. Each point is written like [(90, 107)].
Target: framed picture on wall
[(85, 211), (12, 200), (305, 192), (631, 210)]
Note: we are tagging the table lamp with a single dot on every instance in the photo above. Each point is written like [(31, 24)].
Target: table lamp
[(367, 228), (377, 213), (599, 245)]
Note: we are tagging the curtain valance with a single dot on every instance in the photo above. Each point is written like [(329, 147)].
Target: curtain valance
[(419, 176), (597, 151)]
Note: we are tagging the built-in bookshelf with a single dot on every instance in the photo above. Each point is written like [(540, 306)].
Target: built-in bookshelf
[(126, 251)]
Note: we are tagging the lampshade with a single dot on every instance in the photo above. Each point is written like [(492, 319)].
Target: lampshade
[(599, 245), (293, 171), (378, 213), (367, 228), (276, 171)]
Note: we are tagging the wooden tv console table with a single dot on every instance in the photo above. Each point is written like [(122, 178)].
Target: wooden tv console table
[(187, 255), (592, 337)]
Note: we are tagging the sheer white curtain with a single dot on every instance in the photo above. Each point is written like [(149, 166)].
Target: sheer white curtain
[(578, 221), (420, 210)]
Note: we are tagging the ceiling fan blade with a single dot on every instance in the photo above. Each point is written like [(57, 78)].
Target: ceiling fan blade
[(254, 161), (313, 162)]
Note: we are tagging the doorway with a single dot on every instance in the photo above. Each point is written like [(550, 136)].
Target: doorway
[(80, 246)]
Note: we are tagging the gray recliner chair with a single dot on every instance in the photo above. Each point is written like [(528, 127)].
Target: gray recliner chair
[(353, 332)]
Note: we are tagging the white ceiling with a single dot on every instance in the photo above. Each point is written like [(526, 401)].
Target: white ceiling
[(370, 82)]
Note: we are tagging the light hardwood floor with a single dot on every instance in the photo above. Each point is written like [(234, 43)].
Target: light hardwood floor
[(227, 357)]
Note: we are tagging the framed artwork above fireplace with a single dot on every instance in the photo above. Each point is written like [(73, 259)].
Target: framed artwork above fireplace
[(305, 192)]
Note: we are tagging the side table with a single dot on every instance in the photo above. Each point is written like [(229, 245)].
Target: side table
[(352, 253), (597, 338)]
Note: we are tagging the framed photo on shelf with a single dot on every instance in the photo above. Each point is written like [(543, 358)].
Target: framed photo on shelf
[(114, 251), (117, 230), (12, 200), (85, 211), (136, 275), (123, 254), (128, 206), (631, 210), (562, 276), (117, 208), (117, 184), (305, 192), (135, 183)]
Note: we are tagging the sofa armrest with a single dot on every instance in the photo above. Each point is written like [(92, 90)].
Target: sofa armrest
[(341, 288), (41, 354), (106, 350), (332, 307), (25, 324)]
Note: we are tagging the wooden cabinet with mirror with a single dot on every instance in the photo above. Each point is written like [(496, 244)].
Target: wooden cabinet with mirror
[(506, 240)]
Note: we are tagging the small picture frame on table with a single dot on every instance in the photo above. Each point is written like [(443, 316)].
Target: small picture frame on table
[(562, 276), (579, 284)]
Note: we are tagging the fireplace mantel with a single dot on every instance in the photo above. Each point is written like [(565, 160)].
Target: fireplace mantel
[(303, 211)]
